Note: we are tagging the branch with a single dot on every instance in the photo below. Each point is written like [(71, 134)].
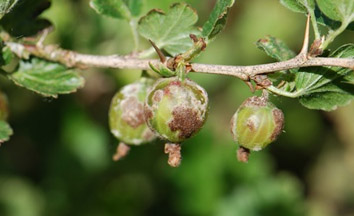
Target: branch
[(74, 59)]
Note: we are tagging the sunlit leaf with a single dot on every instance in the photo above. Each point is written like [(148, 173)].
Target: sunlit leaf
[(46, 78), (312, 78), (217, 19), (326, 88), (339, 10), (170, 31)]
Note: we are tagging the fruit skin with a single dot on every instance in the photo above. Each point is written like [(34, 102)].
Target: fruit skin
[(126, 113), (256, 123), (176, 110)]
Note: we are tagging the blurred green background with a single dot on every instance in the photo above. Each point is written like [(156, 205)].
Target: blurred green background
[(59, 163)]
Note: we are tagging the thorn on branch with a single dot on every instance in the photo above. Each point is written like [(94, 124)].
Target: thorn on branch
[(158, 51), (305, 45)]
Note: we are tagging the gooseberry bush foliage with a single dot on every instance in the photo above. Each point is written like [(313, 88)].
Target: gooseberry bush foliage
[(164, 103)]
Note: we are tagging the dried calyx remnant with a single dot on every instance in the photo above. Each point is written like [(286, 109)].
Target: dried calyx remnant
[(176, 110), (126, 116), (256, 124)]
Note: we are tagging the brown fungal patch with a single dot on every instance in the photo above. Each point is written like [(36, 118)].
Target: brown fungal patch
[(186, 120), (157, 96), (255, 101), (133, 112), (148, 114), (279, 123)]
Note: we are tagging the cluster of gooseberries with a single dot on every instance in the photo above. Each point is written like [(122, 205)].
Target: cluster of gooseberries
[(175, 108)]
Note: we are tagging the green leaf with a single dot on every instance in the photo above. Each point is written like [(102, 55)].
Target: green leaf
[(329, 97), (6, 6), (112, 8), (339, 10), (6, 55), (294, 5), (23, 20), (135, 6), (5, 131), (46, 78), (275, 48), (170, 31), (326, 88), (312, 78), (217, 19)]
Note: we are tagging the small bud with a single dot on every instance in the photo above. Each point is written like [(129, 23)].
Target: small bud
[(126, 114), (176, 110), (256, 123)]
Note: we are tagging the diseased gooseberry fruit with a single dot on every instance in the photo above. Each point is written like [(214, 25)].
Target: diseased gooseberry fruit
[(256, 123), (175, 109), (126, 116)]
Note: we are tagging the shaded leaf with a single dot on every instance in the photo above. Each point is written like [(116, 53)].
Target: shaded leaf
[(339, 10), (217, 19), (5, 131), (6, 6), (46, 78), (23, 20), (170, 31)]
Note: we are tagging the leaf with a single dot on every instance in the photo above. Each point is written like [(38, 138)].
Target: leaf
[(217, 19), (6, 6), (170, 31), (275, 48), (339, 10), (23, 20), (329, 97), (315, 77), (121, 9), (6, 55), (307, 6), (326, 88), (294, 5), (135, 6), (5, 131), (46, 78)]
